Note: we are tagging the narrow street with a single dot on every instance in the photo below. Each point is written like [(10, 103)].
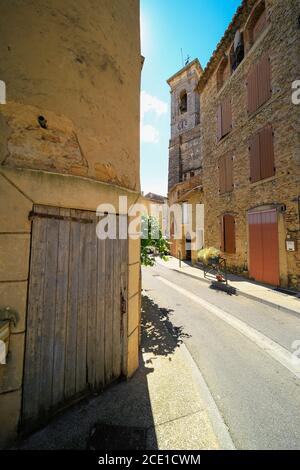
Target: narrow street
[(256, 392)]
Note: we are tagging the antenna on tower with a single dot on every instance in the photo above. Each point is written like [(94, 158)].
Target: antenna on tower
[(182, 58)]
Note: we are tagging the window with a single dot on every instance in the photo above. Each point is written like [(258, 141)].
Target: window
[(226, 174), (222, 73), (228, 234), (185, 213), (259, 84), (199, 238), (257, 23), (183, 102), (224, 119), (237, 51), (262, 155)]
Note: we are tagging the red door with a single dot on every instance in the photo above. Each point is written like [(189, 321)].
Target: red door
[(263, 246)]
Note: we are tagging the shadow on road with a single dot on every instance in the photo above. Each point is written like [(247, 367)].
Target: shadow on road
[(159, 335)]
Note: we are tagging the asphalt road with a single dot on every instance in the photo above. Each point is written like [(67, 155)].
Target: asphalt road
[(241, 348)]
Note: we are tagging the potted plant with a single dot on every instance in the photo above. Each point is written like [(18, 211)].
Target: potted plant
[(210, 255)]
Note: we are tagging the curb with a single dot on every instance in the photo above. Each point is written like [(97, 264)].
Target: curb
[(245, 294), (217, 421)]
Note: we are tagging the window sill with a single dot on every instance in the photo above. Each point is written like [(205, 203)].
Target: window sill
[(225, 137), (265, 180), (274, 97)]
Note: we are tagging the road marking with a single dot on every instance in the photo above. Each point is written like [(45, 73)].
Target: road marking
[(277, 352)]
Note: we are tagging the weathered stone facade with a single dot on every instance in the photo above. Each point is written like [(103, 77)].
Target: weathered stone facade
[(185, 159), (280, 38), (91, 74), (68, 62), (184, 147)]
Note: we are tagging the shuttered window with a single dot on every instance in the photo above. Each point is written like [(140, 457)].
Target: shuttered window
[(259, 25), (228, 234), (264, 79), (226, 173), (219, 123), (262, 155), (259, 84), (224, 118)]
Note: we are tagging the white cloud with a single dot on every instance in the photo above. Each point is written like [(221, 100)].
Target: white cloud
[(151, 103), (149, 134)]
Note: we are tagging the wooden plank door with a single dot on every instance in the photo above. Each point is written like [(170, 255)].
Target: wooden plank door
[(76, 315), (264, 247)]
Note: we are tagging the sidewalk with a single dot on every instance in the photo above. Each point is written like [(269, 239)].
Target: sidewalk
[(247, 288), (167, 399)]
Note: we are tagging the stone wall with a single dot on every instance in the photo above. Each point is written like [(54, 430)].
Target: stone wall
[(184, 147), (68, 62), (79, 67), (282, 39)]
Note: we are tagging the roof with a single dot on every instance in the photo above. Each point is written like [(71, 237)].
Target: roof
[(194, 62), (237, 21), (155, 197)]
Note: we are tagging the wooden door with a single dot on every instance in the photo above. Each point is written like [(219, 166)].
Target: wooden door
[(76, 316), (264, 246)]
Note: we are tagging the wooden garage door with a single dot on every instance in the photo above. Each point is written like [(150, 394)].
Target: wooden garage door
[(76, 314), (263, 246)]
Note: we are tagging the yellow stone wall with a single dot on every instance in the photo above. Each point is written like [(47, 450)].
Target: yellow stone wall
[(78, 65), (68, 61), (188, 192)]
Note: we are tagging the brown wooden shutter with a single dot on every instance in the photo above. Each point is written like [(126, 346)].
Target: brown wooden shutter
[(267, 168), (222, 174), (226, 116), (229, 233), (219, 123), (229, 172), (222, 244), (252, 89), (260, 25), (255, 158), (264, 79)]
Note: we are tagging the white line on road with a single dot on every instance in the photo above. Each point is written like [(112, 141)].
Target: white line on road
[(277, 352)]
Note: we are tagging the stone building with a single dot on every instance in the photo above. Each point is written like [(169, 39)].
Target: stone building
[(250, 144), (69, 141), (185, 160)]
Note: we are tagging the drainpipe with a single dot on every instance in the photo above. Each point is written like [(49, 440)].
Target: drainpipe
[(179, 257), (299, 211)]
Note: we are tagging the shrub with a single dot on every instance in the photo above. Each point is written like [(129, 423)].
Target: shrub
[(206, 254)]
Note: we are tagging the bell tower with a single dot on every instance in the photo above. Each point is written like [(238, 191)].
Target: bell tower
[(185, 123)]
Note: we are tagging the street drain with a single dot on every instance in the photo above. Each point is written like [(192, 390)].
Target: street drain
[(112, 437)]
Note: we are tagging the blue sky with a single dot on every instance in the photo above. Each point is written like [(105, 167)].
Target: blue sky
[(196, 26)]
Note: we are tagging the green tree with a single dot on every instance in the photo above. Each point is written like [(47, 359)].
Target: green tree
[(152, 241)]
